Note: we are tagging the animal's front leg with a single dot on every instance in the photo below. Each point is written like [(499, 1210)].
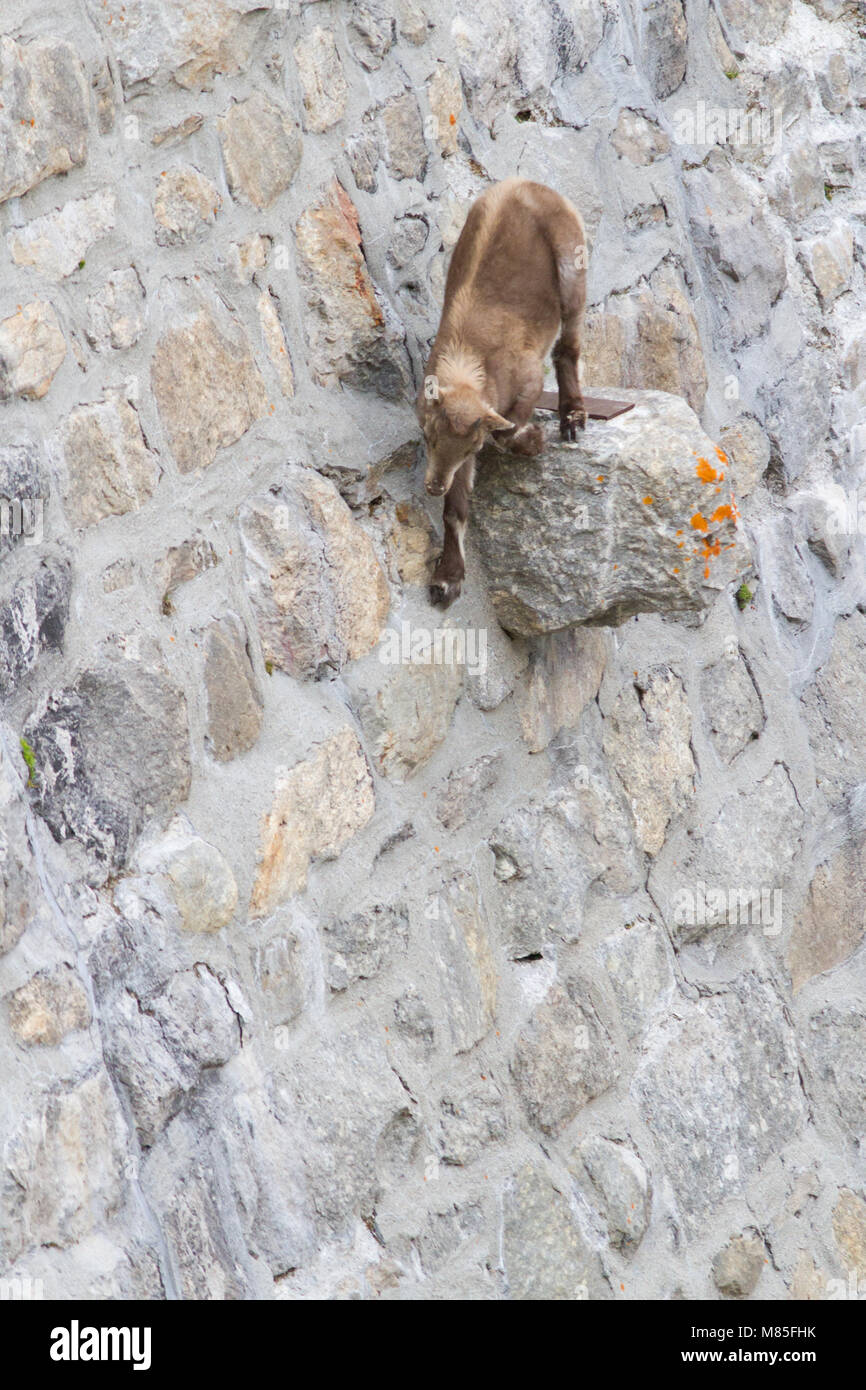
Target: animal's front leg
[(450, 567)]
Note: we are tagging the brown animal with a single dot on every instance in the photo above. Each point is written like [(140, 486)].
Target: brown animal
[(517, 278)]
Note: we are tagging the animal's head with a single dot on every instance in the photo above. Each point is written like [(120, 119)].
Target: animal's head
[(455, 419)]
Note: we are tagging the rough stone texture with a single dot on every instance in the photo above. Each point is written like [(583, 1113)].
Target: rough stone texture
[(649, 339), (234, 705), (563, 1058), (721, 1092), (647, 739), (111, 751), (33, 620), (55, 245), (831, 707), (318, 805), (549, 853), (831, 925), (349, 334), (50, 1005), (261, 149), (316, 586), (32, 347), (108, 467), (361, 945), (732, 706), (636, 518), (185, 205), (546, 1257), (738, 1267), (465, 961), (622, 1185), (394, 1003), (205, 382), (43, 122), (116, 313), (322, 81)]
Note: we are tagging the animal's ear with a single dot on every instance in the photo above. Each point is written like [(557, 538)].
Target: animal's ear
[(491, 420)]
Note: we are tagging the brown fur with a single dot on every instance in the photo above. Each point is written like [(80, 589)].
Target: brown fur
[(517, 278)]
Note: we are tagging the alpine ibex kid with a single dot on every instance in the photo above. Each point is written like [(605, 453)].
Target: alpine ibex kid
[(517, 278)]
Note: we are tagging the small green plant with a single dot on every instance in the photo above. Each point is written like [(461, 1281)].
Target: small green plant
[(743, 596), (81, 264), (30, 759), (828, 192), (731, 73), (269, 667)]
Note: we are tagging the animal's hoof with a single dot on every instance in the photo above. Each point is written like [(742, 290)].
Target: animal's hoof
[(570, 423), (443, 592)]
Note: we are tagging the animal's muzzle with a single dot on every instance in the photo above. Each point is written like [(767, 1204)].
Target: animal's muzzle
[(434, 487)]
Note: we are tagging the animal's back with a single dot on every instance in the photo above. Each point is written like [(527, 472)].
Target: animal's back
[(506, 258)]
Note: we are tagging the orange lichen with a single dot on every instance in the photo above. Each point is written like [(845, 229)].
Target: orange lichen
[(722, 514), (647, 501), (705, 471), (698, 522)]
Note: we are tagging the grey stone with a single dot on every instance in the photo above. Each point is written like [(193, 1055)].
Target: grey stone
[(738, 1266), (261, 150), (832, 709), (647, 737), (665, 40), (469, 1121), (466, 965), (831, 924), (619, 524), (405, 150), (181, 563), (719, 1089), (360, 946), (63, 1166), (748, 451), (563, 1058), (465, 794), (322, 82), (186, 204), (351, 334), (546, 1256), (637, 960), (56, 244), (834, 1039), (732, 232), (731, 704), (116, 314), (33, 621), (549, 852), (43, 122), (111, 751), (233, 701), (622, 1184), (317, 589)]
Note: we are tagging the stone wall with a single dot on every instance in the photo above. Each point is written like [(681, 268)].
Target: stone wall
[(330, 973)]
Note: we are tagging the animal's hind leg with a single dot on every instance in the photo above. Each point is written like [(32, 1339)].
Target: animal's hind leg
[(571, 272), (450, 567)]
